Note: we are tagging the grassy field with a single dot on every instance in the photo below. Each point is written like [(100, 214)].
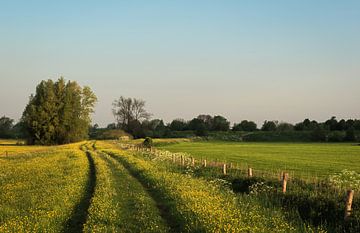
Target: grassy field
[(40, 187), (303, 159), (101, 187)]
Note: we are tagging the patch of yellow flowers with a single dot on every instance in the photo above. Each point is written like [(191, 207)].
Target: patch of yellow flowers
[(40, 186), (203, 206)]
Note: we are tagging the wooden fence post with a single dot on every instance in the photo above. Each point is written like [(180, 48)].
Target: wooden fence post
[(173, 158), (349, 200), (204, 162), (284, 181), (182, 161), (193, 162), (230, 166), (224, 169), (281, 175), (250, 172)]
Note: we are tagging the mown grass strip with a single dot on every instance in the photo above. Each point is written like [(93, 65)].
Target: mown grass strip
[(120, 203), (200, 206)]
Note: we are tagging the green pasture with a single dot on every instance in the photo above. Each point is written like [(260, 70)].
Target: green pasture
[(303, 159)]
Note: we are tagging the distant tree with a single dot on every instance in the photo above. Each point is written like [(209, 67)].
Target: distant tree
[(331, 124), (284, 126), (198, 126), (111, 126), (349, 124), (201, 131), (178, 125), (319, 135), (95, 126), (335, 136), (207, 120), (306, 125), (220, 123), (138, 110), (245, 126), (127, 110), (136, 129), (156, 126), (58, 113), (341, 125), (350, 135), (6, 126), (19, 131), (356, 124), (269, 126)]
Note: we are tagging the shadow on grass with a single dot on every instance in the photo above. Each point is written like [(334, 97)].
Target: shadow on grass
[(166, 206), (80, 212)]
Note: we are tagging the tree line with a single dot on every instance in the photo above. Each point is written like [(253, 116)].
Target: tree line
[(132, 117), (60, 112)]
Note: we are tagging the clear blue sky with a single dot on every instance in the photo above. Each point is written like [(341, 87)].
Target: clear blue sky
[(284, 60)]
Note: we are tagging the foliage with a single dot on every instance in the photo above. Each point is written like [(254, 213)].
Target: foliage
[(319, 135), (269, 126), (106, 134), (284, 126), (261, 188), (278, 136), (346, 179), (58, 113), (6, 125), (219, 123), (350, 135), (178, 125), (148, 142), (245, 126)]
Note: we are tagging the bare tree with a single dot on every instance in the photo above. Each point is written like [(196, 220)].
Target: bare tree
[(127, 109), (138, 110)]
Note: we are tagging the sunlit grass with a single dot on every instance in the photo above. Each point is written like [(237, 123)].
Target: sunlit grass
[(39, 190), (120, 203), (202, 206), (303, 159)]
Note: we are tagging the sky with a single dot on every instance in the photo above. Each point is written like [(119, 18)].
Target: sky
[(246, 59)]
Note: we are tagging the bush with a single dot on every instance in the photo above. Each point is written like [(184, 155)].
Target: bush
[(336, 136), (148, 142)]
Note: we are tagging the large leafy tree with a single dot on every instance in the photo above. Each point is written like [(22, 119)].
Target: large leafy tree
[(58, 113)]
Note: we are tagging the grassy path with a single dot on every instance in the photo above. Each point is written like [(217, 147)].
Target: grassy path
[(120, 202), (200, 206)]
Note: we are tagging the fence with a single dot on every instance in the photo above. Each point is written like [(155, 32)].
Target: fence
[(183, 159)]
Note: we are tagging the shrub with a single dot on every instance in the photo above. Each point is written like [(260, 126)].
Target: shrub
[(148, 142)]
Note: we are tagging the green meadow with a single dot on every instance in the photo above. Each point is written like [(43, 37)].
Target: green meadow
[(302, 159)]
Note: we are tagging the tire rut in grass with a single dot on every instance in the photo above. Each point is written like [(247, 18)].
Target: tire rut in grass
[(80, 211), (136, 205), (164, 209)]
